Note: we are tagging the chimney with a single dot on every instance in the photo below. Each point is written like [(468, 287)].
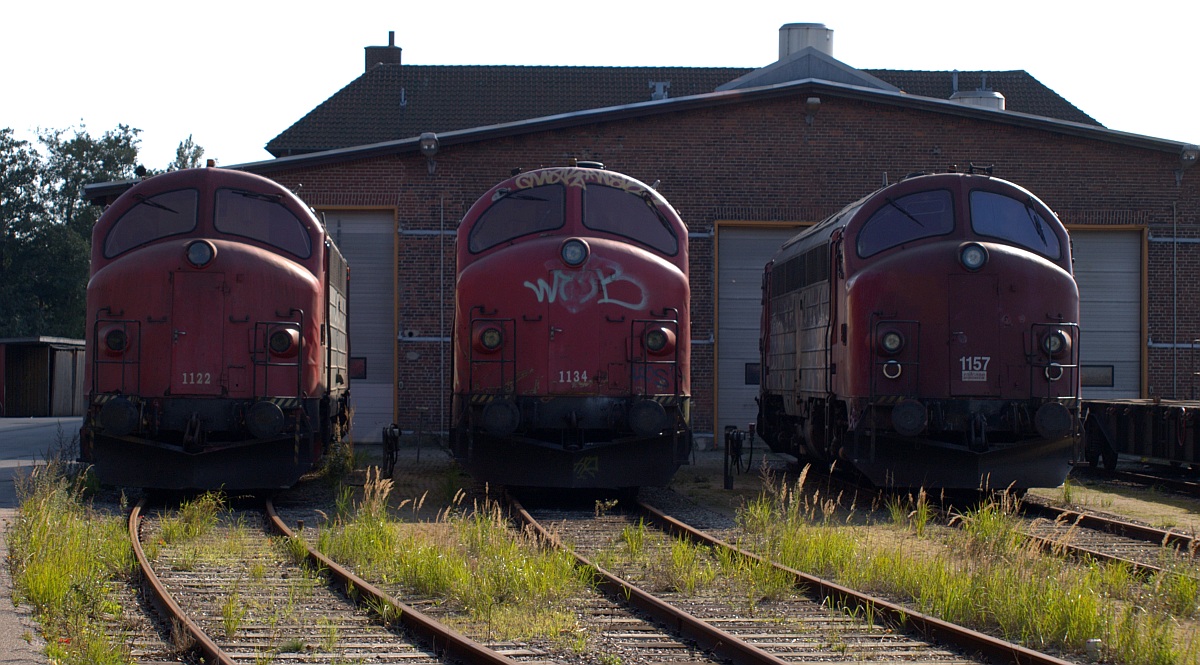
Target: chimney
[(384, 55), (983, 97), (797, 36)]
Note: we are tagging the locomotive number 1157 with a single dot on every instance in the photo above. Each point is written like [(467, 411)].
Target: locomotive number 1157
[(974, 368)]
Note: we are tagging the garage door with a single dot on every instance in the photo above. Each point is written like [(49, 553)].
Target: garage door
[(1108, 269), (741, 255), (367, 241)]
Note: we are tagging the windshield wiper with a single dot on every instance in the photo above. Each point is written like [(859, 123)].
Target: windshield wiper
[(517, 194), (1037, 221), (274, 198), (662, 219), (906, 213), (141, 198)]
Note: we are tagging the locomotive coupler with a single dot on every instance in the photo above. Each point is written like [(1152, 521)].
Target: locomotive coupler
[(735, 440), (193, 434), (977, 433)]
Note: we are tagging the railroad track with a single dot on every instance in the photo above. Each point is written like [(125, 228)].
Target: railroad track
[(263, 603), (1145, 549), (825, 621), (1079, 534), (1176, 480)]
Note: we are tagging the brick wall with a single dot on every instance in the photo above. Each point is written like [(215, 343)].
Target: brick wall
[(761, 161)]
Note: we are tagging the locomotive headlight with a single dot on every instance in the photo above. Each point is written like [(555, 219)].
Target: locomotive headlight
[(658, 340), (491, 338), (200, 253), (116, 340), (573, 252), (973, 256), (284, 342), (1056, 343), (891, 342), (488, 338)]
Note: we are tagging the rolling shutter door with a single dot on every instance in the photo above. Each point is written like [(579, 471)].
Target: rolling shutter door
[(741, 255), (1108, 269), (367, 241)]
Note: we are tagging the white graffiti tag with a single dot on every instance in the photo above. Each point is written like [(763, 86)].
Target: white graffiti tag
[(575, 290)]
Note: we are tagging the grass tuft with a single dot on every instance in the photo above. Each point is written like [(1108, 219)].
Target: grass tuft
[(468, 559), (987, 576), (66, 560)]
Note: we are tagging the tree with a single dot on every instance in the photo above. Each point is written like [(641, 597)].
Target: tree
[(187, 156), (77, 160), (46, 224), (22, 213)]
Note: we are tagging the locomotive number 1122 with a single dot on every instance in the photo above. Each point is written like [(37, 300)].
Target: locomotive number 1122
[(197, 378)]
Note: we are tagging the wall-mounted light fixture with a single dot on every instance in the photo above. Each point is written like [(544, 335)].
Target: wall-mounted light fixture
[(429, 147), (1188, 156), (812, 106)]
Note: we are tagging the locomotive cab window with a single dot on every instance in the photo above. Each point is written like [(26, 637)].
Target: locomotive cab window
[(905, 219), (627, 214), (152, 218), (517, 213), (1017, 222), (261, 217)]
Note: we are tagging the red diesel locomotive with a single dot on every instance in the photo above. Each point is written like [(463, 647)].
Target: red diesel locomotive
[(571, 336), (926, 335), (217, 335)]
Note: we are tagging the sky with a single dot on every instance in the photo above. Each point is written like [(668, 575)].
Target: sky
[(236, 74)]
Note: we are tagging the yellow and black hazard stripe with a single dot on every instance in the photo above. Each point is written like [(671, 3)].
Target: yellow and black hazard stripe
[(669, 400)]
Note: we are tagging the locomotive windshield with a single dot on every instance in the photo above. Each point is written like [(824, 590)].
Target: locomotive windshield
[(151, 218), (1016, 221), (905, 219), (628, 214), (261, 217), (517, 213)]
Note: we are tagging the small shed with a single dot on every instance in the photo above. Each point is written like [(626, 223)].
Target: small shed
[(41, 376)]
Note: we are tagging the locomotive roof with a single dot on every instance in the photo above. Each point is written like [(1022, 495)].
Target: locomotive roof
[(820, 232)]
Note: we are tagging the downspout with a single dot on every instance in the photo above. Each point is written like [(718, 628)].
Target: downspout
[(442, 306), (1188, 155)]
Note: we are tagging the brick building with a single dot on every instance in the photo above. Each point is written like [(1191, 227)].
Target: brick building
[(747, 157)]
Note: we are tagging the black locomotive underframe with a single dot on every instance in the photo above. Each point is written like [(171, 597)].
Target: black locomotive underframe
[(202, 423), (575, 422), (580, 442), (202, 443), (964, 441)]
